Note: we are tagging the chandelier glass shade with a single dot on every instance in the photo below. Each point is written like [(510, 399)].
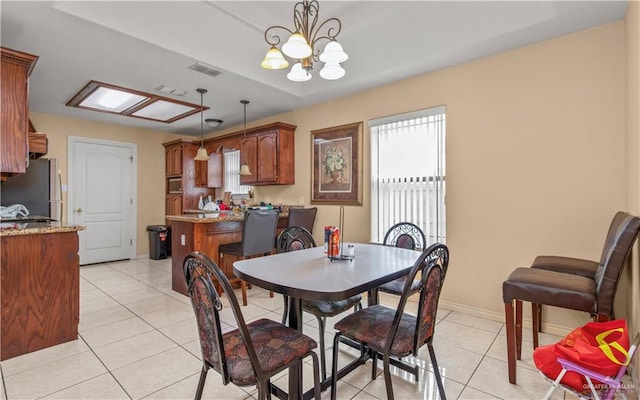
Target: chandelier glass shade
[(302, 45)]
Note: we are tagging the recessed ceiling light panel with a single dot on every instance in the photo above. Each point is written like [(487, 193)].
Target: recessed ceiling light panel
[(163, 110), (104, 97), (108, 99)]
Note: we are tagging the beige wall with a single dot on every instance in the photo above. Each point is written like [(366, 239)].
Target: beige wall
[(632, 282), (150, 162), (535, 157)]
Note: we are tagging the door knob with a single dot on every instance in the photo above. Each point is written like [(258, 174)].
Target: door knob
[(78, 210)]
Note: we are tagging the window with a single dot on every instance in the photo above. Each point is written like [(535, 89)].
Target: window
[(232, 173), (408, 173)]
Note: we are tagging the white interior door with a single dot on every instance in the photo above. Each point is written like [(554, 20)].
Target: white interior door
[(101, 198)]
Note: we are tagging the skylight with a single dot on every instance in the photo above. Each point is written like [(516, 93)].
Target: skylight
[(104, 97)]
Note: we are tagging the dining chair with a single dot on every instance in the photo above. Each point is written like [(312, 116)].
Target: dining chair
[(258, 233), (251, 354), (579, 266), (304, 217), (393, 333), (593, 294), (408, 236), (297, 238)]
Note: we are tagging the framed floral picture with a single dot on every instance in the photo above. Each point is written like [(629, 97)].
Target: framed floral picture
[(337, 165)]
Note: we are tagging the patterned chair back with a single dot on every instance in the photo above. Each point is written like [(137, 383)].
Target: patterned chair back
[(200, 272), (432, 265), (405, 235), (294, 238)]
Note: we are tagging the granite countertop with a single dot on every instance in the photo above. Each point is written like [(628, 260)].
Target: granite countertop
[(32, 228), (205, 218)]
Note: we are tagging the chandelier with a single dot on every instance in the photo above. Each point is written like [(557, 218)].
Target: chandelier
[(302, 45)]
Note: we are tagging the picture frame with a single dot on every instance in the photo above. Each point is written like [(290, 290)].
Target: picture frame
[(336, 164)]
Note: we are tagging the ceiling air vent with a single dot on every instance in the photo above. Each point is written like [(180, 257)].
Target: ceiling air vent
[(205, 69)]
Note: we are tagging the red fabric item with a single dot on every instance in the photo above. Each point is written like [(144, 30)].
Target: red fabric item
[(590, 346)]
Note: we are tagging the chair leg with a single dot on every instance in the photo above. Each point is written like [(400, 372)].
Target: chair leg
[(316, 377), (387, 376), (539, 317), (243, 286), (263, 389), (374, 364), (518, 329), (334, 366), (436, 371), (511, 341), (323, 361), (535, 309), (203, 377), (286, 309)]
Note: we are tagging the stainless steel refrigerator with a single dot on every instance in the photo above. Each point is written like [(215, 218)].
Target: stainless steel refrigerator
[(38, 189)]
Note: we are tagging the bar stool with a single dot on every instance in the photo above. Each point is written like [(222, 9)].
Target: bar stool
[(258, 233), (304, 217), (593, 294)]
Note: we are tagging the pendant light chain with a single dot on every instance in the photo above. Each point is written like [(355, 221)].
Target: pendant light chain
[(201, 155), (244, 168)]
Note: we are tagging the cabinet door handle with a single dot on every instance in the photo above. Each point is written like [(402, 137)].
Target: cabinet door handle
[(78, 210)]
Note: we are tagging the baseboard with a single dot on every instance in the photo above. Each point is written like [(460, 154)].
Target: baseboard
[(553, 329), (142, 256)]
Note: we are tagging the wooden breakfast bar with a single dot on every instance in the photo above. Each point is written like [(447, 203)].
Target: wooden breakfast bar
[(205, 232)]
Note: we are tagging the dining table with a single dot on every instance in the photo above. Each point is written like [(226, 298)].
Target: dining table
[(310, 275)]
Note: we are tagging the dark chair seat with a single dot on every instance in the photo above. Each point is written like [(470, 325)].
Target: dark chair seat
[(372, 325), (396, 286), (566, 265), (551, 288), (276, 346), (330, 308)]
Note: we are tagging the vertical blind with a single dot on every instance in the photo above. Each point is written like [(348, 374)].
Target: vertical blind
[(408, 173), (232, 173)]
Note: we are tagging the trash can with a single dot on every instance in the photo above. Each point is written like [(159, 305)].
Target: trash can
[(159, 241)]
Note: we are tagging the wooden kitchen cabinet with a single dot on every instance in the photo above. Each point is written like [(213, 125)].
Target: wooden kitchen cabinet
[(173, 154), (14, 115), (186, 178), (174, 204), (269, 152)]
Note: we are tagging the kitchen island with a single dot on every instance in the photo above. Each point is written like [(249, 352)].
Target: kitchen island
[(205, 233), (40, 289)]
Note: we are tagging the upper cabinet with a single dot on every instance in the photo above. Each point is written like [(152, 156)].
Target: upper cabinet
[(186, 179), (14, 115), (269, 152), (173, 155)]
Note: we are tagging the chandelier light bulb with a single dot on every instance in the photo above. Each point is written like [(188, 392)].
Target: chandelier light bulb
[(333, 53), (274, 59), (297, 47), (332, 71), (298, 74)]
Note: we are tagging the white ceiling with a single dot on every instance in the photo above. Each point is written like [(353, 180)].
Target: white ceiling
[(144, 44)]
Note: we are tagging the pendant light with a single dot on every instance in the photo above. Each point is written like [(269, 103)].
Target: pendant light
[(244, 168), (202, 152)]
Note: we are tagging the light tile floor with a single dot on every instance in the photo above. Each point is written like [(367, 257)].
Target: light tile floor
[(138, 340)]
